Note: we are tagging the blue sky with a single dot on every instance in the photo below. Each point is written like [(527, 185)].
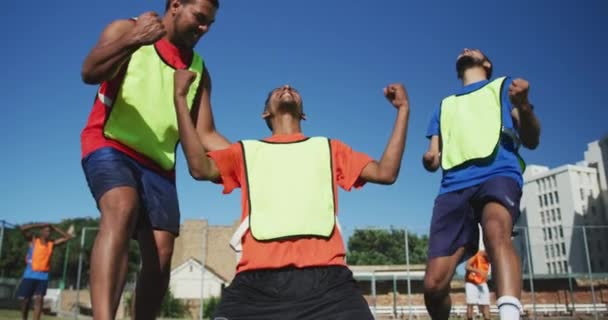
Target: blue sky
[(338, 53)]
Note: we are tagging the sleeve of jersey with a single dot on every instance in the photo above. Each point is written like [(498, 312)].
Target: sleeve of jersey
[(348, 165), (433, 128), (228, 163)]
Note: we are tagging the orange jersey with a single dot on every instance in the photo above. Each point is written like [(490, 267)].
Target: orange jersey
[(481, 262), (41, 255), (300, 252)]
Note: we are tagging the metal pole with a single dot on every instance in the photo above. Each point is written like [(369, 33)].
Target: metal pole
[(203, 252), (395, 296), (409, 278), (374, 291), (530, 269), (1, 237), (571, 293), (595, 315), (65, 265), (80, 254)]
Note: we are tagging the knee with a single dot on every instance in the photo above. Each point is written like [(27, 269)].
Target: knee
[(165, 253), (118, 211), (435, 285)]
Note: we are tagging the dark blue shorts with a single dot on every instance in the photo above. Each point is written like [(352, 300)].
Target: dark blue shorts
[(456, 215), (306, 294), (108, 168), (31, 287)]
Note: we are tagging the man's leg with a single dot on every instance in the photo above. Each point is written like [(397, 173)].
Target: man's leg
[(469, 311), (156, 248), (484, 309), (439, 273), (38, 302), (25, 307), (109, 258), (497, 226)]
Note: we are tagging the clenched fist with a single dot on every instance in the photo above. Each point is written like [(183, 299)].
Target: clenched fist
[(396, 94), (518, 92), (148, 29), (182, 79), (430, 161)]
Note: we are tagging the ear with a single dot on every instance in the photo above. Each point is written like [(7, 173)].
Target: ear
[(486, 64), (265, 114), (175, 4)]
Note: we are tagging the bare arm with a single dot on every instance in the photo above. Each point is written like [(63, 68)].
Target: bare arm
[(200, 166), (386, 170), (210, 138), (528, 125), (430, 160), (116, 45), (64, 236), (25, 229)]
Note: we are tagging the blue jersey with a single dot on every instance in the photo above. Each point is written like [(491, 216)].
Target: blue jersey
[(505, 162), (29, 273)]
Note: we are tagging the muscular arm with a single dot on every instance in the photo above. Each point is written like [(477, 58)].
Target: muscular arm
[(114, 47), (64, 236), (25, 229), (386, 170), (430, 160), (200, 166), (528, 125), (210, 138)]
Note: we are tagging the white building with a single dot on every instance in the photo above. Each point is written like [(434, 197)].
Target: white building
[(555, 204), (186, 281)]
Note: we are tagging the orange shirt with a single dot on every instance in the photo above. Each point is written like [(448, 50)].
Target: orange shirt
[(41, 255), (481, 262), (301, 252)]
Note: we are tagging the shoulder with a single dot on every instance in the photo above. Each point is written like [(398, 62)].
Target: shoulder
[(117, 29)]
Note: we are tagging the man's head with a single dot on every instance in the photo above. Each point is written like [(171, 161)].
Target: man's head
[(473, 58), (283, 100), (45, 232), (190, 20)]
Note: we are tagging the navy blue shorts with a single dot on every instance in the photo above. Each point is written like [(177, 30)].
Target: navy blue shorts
[(108, 168), (31, 287), (290, 293), (456, 215)]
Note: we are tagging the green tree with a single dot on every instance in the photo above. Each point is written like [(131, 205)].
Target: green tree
[(385, 247), (171, 307)]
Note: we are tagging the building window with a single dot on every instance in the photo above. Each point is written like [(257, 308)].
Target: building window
[(554, 182), (559, 214), (582, 194), (557, 250), (556, 197), (565, 266), (551, 198), (542, 217), (544, 234), (545, 198), (553, 215), (549, 267), (547, 252), (550, 237), (563, 249), (190, 268), (561, 268), (561, 232), (540, 201), (544, 185), (554, 267), (555, 232), (552, 252)]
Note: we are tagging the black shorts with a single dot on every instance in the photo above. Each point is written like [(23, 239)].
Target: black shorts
[(290, 293)]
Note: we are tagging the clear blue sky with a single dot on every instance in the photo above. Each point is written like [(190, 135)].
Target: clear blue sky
[(338, 53)]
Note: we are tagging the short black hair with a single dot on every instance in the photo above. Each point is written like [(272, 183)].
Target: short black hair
[(488, 70), (215, 3), (268, 124)]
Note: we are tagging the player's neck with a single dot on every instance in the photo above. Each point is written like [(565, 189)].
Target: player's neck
[(473, 75), (286, 124)]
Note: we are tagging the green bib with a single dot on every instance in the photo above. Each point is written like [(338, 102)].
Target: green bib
[(291, 191), (471, 125), (142, 116)]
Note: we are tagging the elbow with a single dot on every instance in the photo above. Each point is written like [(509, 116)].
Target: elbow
[(388, 178), (88, 77), (531, 143), (198, 174)]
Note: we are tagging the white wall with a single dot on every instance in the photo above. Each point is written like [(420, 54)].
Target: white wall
[(186, 282)]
